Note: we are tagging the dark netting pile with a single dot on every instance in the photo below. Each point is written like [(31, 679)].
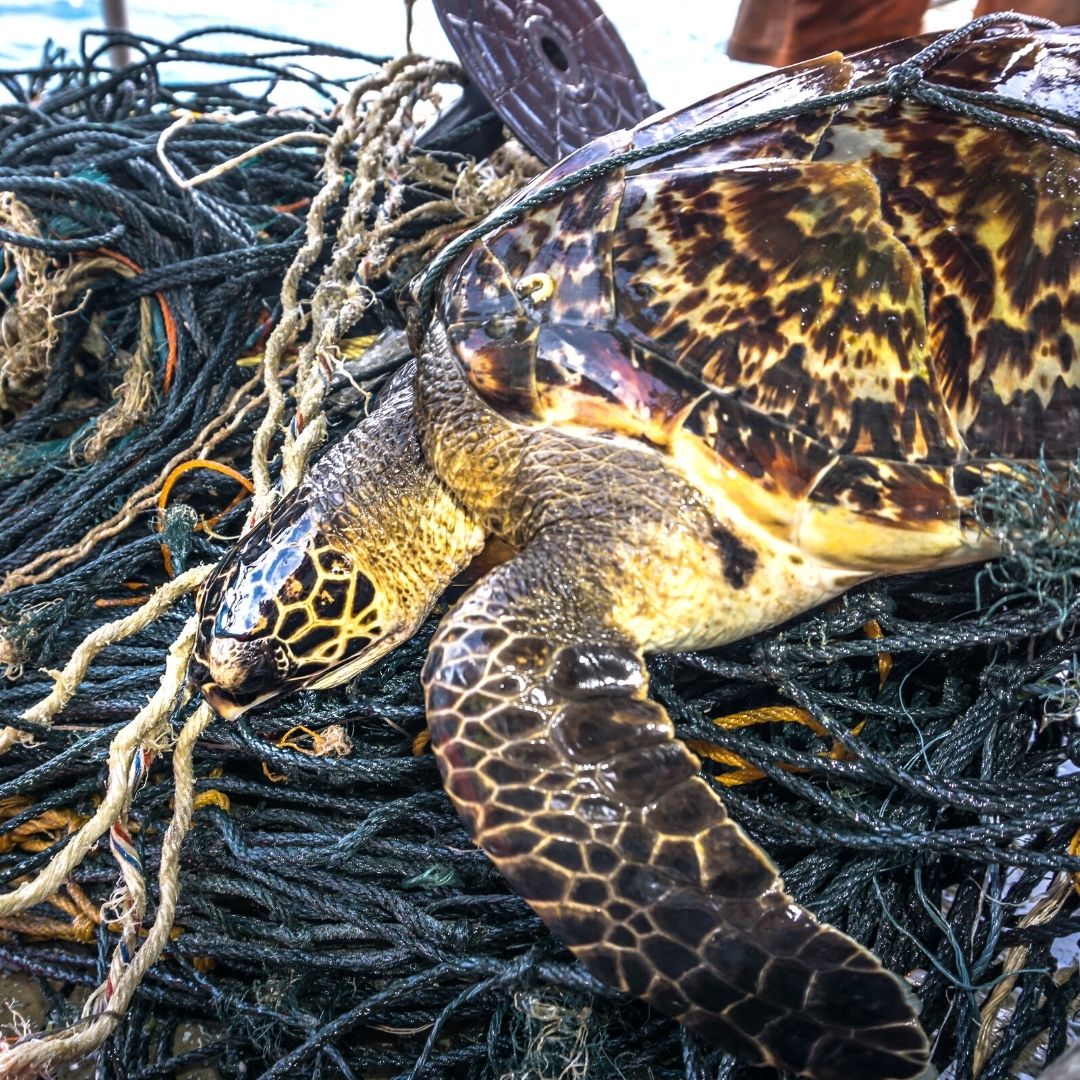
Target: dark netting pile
[(907, 755)]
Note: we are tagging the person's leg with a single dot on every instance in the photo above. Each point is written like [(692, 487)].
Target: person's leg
[(782, 32)]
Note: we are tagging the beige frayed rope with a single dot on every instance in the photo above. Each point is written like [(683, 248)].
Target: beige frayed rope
[(67, 681), (379, 115), (43, 1054), (187, 117), (149, 728), (993, 1016), (49, 292), (148, 733)]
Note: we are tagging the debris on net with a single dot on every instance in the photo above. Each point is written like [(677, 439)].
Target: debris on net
[(291, 895)]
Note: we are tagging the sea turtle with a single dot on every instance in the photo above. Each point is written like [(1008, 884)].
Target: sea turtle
[(696, 396)]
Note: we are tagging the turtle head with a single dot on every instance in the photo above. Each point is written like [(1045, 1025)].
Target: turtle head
[(288, 608), (345, 568)]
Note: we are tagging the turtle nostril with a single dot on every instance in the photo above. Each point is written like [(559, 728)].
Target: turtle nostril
[(262, 667), (198, 673)]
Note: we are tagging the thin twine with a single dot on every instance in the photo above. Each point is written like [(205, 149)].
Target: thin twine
[(380, 127), (906, 79), (132, 398), (187, 183)]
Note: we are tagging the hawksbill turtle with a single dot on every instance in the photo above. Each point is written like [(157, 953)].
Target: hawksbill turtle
[(696, 395)]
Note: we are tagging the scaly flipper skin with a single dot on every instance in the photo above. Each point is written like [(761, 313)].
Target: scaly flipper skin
[(573, 783)]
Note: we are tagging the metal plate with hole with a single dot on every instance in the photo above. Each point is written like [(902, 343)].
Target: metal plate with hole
[(557, 72)]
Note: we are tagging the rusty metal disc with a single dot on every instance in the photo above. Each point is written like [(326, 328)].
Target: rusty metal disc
[(556, 71)]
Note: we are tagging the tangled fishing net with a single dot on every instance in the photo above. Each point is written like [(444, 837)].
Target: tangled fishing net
[(198, 290)]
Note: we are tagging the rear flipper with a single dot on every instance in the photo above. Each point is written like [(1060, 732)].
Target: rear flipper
[(573, 783)]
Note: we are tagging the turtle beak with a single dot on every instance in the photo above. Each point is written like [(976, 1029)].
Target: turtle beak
[(233, 675), (221, 703)]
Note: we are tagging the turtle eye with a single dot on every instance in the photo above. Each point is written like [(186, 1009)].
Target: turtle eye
[(538, 288), (210, 594)]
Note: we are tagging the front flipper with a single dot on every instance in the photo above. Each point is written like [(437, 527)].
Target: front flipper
[(572, 781)]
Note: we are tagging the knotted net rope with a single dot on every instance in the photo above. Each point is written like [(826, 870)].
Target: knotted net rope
[(304, 883)]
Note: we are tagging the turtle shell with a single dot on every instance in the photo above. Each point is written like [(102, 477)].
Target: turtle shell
[(835, 320)]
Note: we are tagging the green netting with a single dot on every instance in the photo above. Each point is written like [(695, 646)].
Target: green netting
[(334, 918)]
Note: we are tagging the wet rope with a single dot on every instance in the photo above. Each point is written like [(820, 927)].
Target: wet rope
[(334, 918), (342, 296), (370, 140)]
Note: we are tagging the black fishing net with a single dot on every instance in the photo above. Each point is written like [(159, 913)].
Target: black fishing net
[(908, 755)]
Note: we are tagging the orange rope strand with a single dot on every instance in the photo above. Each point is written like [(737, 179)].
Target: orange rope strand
[(208, 523), (1074, 850), (166, 317), (872, 629), (742, 771)]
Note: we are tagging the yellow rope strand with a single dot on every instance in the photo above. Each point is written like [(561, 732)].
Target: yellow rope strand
[(745, 773)]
